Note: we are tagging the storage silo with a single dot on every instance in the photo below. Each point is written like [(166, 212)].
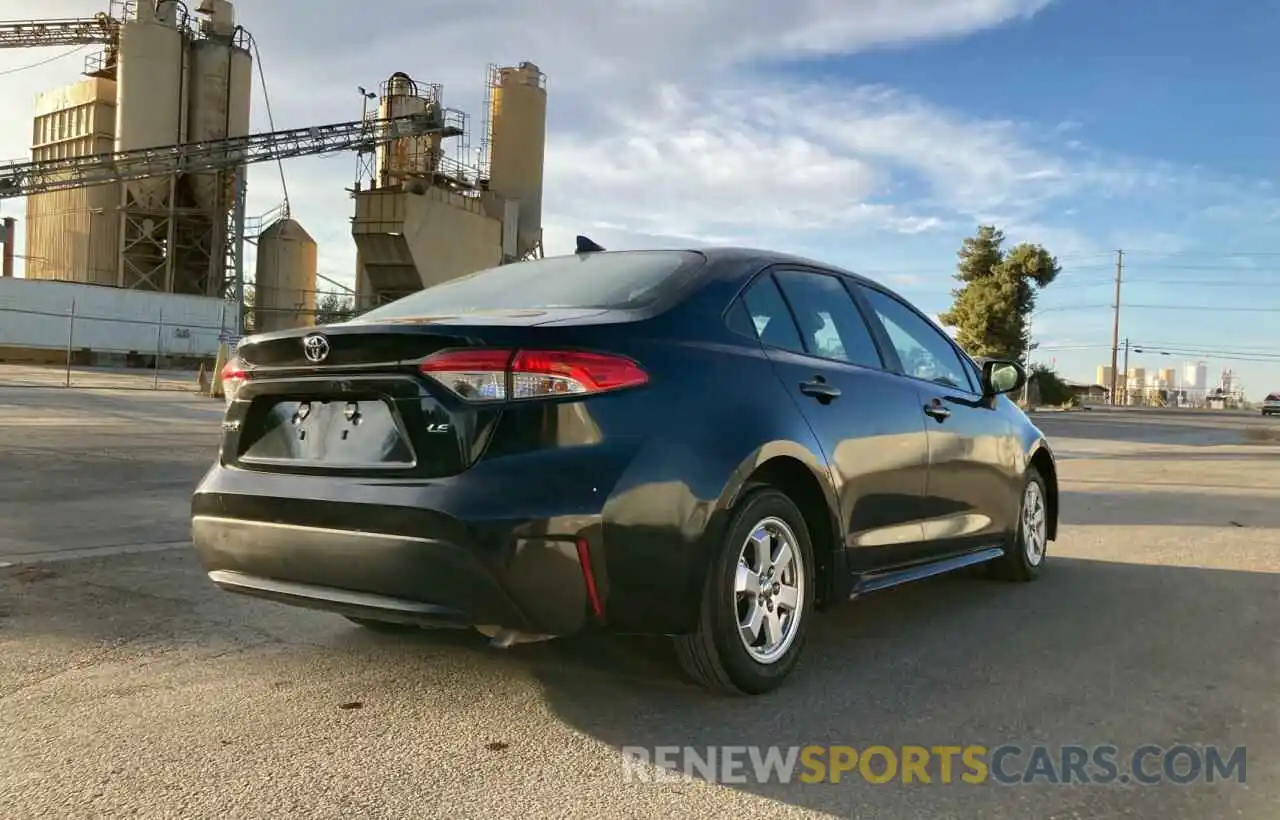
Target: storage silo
[(407, 157), (73, 235), (221, 82), (151, 90), (517, 141), (151, 111), (285, 283)]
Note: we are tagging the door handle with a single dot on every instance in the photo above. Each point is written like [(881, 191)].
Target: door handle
[(820, 390), (937, 411)]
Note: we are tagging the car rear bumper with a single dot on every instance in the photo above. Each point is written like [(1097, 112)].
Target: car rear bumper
[(537, 585)]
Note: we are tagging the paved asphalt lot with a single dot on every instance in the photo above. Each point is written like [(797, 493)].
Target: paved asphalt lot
[(129, 687)]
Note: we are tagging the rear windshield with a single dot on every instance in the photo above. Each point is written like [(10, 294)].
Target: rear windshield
[(613, 280)]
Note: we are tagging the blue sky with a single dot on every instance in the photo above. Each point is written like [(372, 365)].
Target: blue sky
[(872, 134)]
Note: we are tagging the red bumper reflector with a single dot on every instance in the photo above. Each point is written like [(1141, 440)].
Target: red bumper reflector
[(589, 577)]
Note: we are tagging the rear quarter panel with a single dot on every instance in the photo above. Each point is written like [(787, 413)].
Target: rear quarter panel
[(713, 413)]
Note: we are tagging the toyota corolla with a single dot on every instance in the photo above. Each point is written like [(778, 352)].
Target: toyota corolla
[(713, 445)]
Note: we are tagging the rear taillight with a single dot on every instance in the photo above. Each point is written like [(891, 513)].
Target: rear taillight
[(482, 375), (232, 377)]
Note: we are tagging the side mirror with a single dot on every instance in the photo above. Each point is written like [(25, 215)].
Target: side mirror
[(1002, 377)]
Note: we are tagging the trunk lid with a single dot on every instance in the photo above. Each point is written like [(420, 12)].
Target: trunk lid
[(363, 345), (350, 399)]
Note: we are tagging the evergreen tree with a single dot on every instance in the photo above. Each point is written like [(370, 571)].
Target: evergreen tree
[(992, 307), (333, 308)]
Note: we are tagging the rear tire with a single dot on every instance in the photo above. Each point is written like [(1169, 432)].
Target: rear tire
[(760, 588), (1025, 554)]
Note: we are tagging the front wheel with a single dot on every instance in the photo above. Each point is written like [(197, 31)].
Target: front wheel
[(1025, 554), (757, 600)]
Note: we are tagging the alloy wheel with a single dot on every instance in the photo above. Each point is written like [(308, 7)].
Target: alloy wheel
[(1034, 523), (768, 589)]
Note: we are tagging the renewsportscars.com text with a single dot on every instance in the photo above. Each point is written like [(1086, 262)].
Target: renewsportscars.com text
[(1007, 764)]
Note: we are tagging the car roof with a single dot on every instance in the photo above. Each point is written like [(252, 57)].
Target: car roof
[(731, 254)]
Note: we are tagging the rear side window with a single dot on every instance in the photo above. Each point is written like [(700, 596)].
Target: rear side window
[(610, 280), (830, 323), (770, 317)]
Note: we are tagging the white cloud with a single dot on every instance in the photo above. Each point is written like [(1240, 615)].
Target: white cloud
[(666, 125)]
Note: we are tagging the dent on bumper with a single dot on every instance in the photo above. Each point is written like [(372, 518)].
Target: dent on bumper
[(539, 586)]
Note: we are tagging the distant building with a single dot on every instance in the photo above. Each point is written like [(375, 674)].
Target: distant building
[(1195, 376)]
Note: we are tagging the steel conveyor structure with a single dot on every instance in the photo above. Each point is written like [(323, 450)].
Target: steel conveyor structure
[(77, 31), (20, 179)]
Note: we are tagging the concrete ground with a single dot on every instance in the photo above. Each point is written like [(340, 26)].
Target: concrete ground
[(130, 687), (99, 378)]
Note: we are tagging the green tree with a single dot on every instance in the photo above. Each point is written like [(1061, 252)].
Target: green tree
[(250, 320), (334, 307), (1053, 390), (992, 307)]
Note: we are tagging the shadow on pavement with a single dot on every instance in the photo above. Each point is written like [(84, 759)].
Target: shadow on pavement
[(1191, 508), (1155, 427), (1184, 456), (1092, 653)]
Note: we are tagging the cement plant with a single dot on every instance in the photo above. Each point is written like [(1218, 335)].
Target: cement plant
[(136, 188)]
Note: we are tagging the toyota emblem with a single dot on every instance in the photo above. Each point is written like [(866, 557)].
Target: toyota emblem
[(315, 347)]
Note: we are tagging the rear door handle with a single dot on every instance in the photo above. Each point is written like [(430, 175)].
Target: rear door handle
[(937, 411), (820, 390)]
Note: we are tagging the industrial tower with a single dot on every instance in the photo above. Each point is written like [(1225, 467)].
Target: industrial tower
[(137, 174), (424, 215), (165, 76)]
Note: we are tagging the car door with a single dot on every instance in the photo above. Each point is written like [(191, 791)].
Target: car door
[(972, 445), (866, 419)]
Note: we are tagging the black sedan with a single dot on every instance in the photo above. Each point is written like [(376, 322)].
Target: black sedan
[(708, 444)]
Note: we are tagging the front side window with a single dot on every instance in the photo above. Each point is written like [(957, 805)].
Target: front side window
[(923, 349)]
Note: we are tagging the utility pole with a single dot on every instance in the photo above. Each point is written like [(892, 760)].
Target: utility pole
[(1115, 328), (1126, 371)]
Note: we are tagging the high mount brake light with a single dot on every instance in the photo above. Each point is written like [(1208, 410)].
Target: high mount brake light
[(481, 375)]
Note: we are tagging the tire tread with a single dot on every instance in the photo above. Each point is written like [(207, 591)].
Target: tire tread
[(697, 652)]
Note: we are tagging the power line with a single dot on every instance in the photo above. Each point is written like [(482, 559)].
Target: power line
[(45, 61), (1207, 309), (1231, 255), (1204, 354), (1231, 349), (1203, 308), (1190, 282)]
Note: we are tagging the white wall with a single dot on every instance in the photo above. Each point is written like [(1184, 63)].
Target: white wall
[(37, 314)]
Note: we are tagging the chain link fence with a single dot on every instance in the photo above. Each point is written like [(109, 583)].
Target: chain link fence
[(91, 354), (47, 347)]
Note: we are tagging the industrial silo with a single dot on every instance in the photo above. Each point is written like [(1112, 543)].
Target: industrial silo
[(73, 235), (517, 140), (285, 285), (407, 157), (221, 81), (151, 89), (151, 109)]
